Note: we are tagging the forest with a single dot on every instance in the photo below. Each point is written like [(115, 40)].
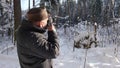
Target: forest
[(86, 25)]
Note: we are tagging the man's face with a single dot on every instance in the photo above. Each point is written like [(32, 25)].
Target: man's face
[(43, 23)]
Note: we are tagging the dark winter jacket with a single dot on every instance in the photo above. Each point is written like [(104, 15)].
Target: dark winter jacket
[(34, 49)]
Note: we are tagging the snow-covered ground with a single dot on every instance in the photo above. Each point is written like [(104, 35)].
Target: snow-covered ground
[(96, 58), (7, 61), (80, 58)]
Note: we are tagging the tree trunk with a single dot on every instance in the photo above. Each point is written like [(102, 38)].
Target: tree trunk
[(42, 3), (33, 3), (113, 5), (17, 16), (84, 9), (29, 4)]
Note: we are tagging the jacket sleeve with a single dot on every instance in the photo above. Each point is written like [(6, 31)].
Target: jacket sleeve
[(45, 48)]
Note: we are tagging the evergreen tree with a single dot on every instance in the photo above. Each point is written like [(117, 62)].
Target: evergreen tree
[(6, 16)]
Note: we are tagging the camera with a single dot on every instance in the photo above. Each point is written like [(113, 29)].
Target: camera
[(50, 21)]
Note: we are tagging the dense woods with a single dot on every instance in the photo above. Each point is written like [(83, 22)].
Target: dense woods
[(66, 13)]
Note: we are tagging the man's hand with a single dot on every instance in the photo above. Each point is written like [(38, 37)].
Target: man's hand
[(51, 28)]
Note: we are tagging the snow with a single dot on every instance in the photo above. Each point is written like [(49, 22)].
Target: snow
[(7, 61), (98, 57)]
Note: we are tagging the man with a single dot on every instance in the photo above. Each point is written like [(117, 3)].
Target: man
[(34, 49)]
